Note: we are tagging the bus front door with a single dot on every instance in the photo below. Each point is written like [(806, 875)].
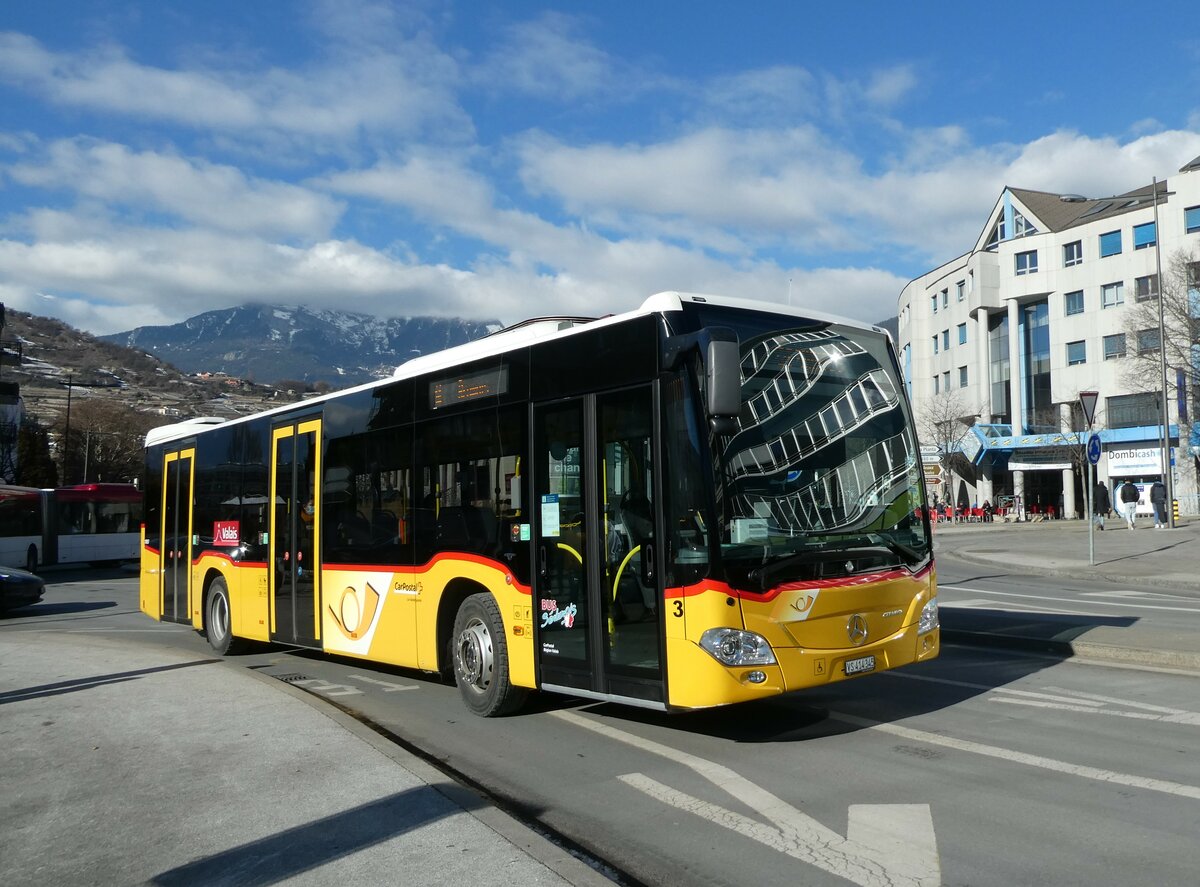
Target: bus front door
[(175, 556), (597, 592), (293, 547)]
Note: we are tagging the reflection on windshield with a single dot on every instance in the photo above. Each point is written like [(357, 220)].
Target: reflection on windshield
[(823, 451)]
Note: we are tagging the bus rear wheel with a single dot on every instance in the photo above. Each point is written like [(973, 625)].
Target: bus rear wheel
[(218, 623), (481, 659)]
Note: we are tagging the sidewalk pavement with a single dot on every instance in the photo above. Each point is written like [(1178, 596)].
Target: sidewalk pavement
[(1165, 559), (133, 764)]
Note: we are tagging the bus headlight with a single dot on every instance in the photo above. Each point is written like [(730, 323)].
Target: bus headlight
[(929, 617), (735, 648)]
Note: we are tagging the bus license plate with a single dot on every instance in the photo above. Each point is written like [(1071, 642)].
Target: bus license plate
[(860, 665)]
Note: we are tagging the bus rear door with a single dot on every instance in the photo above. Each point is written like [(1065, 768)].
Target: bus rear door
[(597, 587), (295, 593), (176, 546)]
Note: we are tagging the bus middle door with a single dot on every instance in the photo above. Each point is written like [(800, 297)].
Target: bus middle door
[(597, 588)]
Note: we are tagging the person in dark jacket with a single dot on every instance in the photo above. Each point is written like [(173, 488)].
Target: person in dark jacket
[(1158, 498), (1100, 504)]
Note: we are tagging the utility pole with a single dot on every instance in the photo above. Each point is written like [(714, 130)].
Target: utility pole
[(67, 432), (1168, 479)]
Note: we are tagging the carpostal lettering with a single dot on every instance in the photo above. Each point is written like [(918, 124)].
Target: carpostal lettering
[(402, 587)]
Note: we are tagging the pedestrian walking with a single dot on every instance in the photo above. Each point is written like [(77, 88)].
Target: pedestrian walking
[(1158, 498), (1128, 495), (1100, 504)]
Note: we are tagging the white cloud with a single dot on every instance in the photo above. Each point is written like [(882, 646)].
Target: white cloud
[(404, 87), (888, 86), (547, 57), (203, 193)]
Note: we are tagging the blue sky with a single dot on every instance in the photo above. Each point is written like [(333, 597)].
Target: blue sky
[(503, 160)]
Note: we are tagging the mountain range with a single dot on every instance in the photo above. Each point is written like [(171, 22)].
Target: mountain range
[(271, 343)]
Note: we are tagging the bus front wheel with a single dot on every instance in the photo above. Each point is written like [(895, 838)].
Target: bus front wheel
[(481, 659), (217, 622)]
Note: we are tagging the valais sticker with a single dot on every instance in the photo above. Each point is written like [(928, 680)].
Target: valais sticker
[(226, 532)]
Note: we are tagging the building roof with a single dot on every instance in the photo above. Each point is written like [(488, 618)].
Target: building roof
[(1058, 212), (1192, 166)]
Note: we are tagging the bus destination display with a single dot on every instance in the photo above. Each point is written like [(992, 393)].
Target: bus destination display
[(460, 389)]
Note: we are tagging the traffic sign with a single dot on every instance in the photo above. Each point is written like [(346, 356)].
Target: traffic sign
[(932, 470), (931, 458), (1093, 449), (1087, 402)]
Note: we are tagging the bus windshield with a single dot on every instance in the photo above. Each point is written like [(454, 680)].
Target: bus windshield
[(822, 477)]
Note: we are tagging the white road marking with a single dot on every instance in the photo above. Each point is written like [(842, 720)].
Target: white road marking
[(1159, 785), (876, 862), (388, 686), (327, 689), (1068, 700), (1022, 596)]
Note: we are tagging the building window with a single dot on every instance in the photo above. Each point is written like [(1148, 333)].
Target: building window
[(962, 334), (961, 290), (1112, 295), (1114, 346), (1191, 220), (937, 382), (946, 381), (1147, 341), (1145, 288), (935, 344), (1073, 302), (1110, 244), (1022, 227), (933, 302), (962, 377), (1072, 253), (1144, 236), (946, 298), (1027, 262), (1131, 410), (1076, 353), (946, 339)]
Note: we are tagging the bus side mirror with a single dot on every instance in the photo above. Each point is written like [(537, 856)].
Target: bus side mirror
[(723, 367)]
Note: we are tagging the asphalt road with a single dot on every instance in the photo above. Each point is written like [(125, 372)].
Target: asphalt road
[(985, 767)]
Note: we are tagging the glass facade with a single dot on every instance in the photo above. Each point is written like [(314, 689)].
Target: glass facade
[(1001, 370), (1039, 411)]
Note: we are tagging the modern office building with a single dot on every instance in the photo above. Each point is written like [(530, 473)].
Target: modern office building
[(997, 345)]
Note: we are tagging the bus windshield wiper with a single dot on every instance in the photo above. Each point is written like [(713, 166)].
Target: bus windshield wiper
[(908, 553), (882, 547)]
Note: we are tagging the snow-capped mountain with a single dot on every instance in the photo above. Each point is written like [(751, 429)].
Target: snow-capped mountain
[(269, 343)]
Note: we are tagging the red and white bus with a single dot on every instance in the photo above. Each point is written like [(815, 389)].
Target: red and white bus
[(88, 523), (699, 502)]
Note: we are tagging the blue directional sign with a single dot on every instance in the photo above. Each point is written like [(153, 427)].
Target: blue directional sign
[(1093, 449)]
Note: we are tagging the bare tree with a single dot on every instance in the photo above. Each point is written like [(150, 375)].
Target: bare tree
[(944, 421), (1177, 295), (106, 441)]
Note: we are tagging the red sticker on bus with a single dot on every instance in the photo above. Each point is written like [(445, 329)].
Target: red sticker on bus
[(226, 532)]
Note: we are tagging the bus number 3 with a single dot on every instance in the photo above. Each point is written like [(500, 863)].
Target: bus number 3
[(678, 609)]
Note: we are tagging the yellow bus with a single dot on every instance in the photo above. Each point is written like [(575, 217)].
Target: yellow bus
[(699, 502)]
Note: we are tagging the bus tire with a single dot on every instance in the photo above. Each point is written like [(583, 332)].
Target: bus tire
[(481, 659), (218, 621), (31, 559)]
